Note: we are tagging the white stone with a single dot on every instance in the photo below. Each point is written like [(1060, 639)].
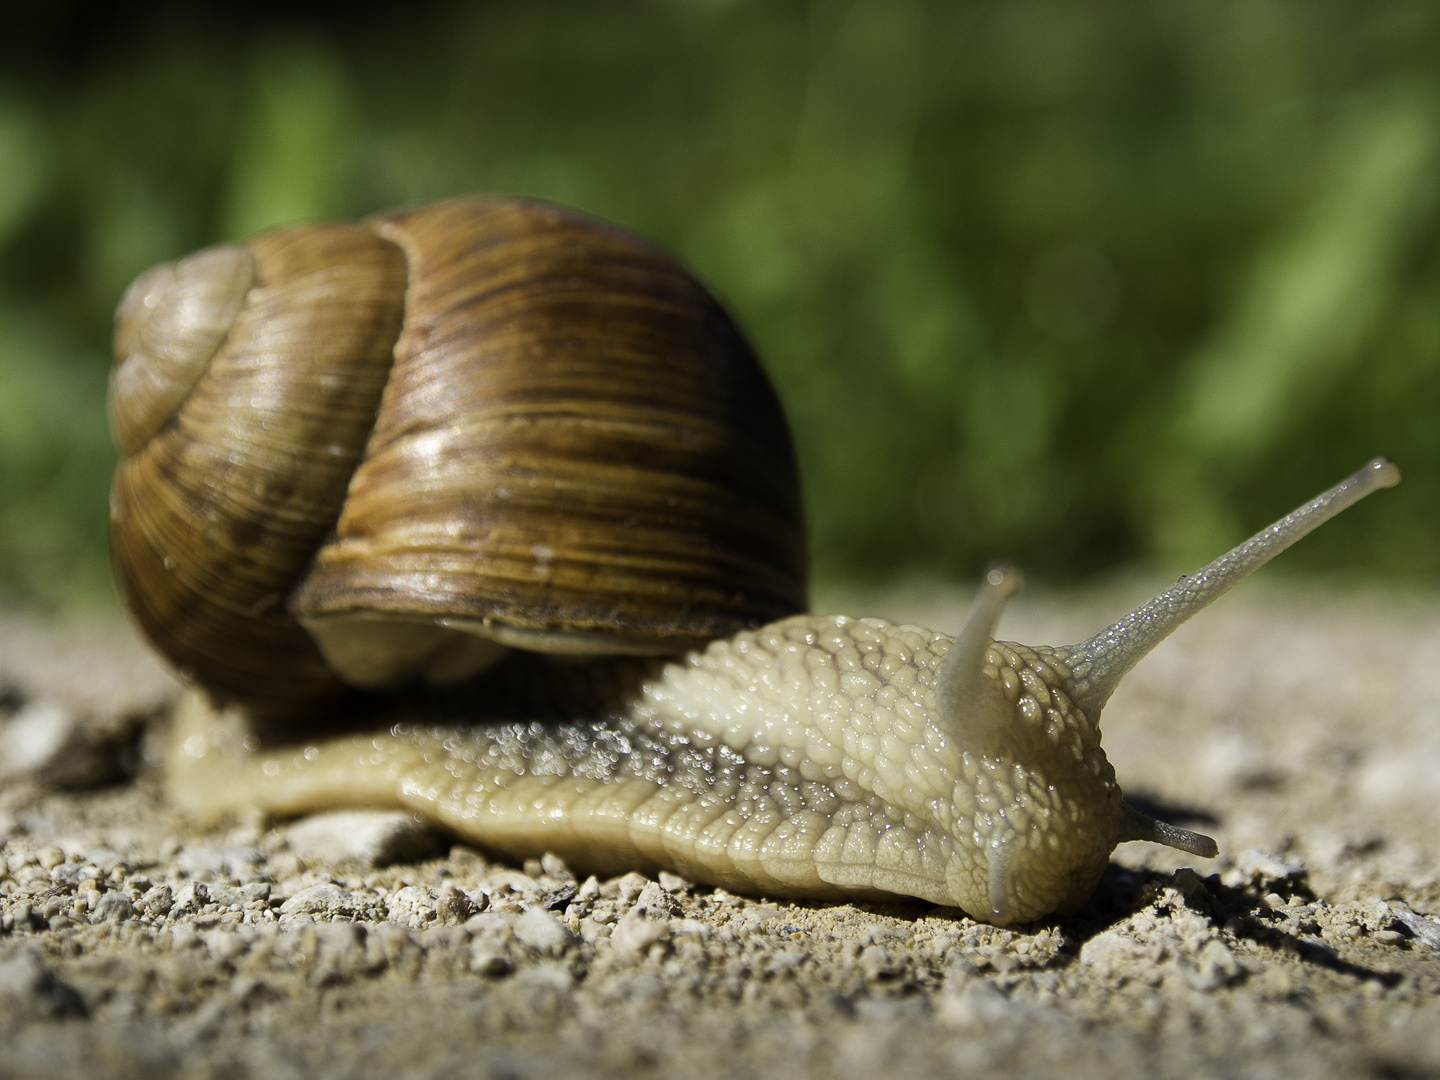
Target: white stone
[(1108, 948), (112, 906), (22, 975), (656, 902), (371, 838), (1256, 862), (34, 736), (1425, 930), (324, 899), (158, 901), (26, 987), (636, 933), (190, 899), (673, 883), (414, 906), (542, 932)]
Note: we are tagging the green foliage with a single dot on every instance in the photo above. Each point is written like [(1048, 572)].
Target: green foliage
[(1076, 284)]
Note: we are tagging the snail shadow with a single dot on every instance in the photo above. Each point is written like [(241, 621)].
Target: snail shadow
[(1172, 813), (1237, 911)]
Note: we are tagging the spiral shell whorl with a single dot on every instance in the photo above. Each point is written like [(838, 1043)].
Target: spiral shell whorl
[(213, 520), (167, 327)]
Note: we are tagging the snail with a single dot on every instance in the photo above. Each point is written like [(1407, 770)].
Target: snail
[(729, 737)]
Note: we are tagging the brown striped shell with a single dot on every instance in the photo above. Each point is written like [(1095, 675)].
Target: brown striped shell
[(359, 454)]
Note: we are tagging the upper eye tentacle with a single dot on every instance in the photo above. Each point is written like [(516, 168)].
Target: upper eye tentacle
[(1098, 665), (972, 703)]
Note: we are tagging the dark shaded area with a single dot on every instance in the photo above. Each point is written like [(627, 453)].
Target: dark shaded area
[(1123, 891), (1171, 813)]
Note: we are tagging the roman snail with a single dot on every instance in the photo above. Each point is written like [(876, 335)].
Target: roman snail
[(399, 454)]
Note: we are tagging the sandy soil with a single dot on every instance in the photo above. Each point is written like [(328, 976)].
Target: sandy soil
[(1302, 731)]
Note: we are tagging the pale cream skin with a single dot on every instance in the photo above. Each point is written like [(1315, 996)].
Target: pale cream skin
[(813, 757)]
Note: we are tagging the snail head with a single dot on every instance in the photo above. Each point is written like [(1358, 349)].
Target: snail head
[(1042, 799)]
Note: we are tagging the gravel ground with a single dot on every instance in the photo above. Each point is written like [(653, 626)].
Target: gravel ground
[(1301, 730)]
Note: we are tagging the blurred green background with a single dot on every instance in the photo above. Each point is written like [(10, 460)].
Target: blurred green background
[(1085, 285)]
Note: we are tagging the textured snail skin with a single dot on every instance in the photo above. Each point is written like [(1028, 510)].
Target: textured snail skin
[(802, 759), (812, 757)]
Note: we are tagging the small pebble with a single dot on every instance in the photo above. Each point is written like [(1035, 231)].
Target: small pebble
[(369, 838), (1216, 967), (58, 747), (415, 906), (1109, 947), (227, 896), (223, 945), (631, 885), (340, 939), (111, 907), (499, 925), (326, 899), (636, 933), (1426, 931), (28, 988), (35, 737), (656, 902), (1256, 863), (542, 932), (191, 897), (487, 960), (877, 963), (453, 905), (978, 1004), (673, 883), (158, 901)]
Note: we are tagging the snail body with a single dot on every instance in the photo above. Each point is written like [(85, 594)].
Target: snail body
[(815, 756), (792, 754), (799, 759)]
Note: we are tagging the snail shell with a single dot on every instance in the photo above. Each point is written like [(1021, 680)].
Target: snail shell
[(357, 454)]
